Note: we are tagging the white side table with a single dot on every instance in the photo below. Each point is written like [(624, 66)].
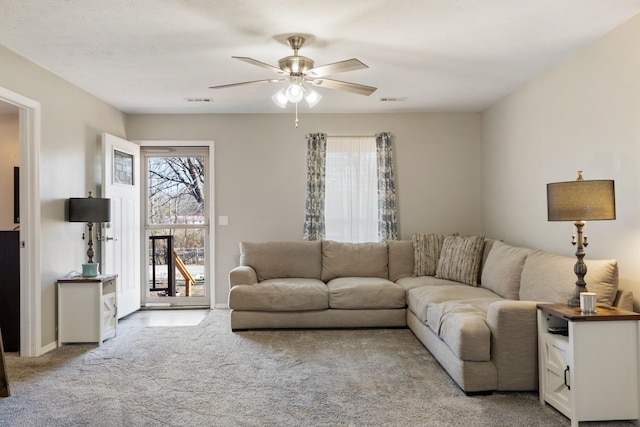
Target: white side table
[(591, 373), (87, 309)]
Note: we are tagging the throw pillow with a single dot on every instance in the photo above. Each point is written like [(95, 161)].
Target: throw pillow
[(426, 253), (460, 259)]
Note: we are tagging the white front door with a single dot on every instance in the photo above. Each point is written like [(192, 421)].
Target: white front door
[(121, 238)]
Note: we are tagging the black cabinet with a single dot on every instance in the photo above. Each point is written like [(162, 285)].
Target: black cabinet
[(10, 289)]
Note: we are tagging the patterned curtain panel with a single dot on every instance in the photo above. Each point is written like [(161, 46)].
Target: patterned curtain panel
[(314, 228), (387, 216)]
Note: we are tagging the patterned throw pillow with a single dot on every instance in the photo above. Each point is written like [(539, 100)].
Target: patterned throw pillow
[(460, 259), (426, 253)]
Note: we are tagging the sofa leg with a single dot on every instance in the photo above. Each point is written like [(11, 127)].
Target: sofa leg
[(479, 393)]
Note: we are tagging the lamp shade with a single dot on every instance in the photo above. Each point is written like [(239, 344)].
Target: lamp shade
[(581, 200), (89, 209)]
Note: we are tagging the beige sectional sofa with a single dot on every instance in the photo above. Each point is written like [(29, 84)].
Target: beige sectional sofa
[(470, 301)]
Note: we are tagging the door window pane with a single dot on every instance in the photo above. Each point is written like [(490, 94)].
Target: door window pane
[(177, 262), (176, 190)]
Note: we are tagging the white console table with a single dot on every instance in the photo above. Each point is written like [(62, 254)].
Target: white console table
[(590, 372), (87, 309)]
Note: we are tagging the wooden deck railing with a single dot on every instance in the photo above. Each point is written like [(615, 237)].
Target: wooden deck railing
[(188, 278)]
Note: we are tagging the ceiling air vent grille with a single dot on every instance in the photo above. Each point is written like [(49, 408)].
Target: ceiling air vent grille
[(393, 99)]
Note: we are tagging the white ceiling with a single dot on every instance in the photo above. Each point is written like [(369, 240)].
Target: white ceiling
[(148, 56)]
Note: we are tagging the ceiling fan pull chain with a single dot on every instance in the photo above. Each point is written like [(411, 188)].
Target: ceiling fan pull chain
[(296, 104)]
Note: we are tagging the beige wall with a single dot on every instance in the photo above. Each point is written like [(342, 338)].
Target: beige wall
[(582, 115), (9, 158), (72, 122), (260, 171)]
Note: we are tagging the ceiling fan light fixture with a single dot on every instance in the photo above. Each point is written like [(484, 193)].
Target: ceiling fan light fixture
[(280, 99), (294, 93), (312, 97)]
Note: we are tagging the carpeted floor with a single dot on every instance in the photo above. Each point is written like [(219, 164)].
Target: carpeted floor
[(205, 375)]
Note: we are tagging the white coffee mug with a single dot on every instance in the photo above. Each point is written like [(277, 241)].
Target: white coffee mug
[(588, 302)]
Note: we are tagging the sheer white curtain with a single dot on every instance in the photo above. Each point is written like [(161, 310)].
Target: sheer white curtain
[(351, 197)]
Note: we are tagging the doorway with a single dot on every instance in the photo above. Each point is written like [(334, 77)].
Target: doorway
[(29, 208), (176, 206)]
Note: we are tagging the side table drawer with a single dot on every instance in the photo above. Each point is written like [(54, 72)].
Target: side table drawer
[(556, 371), (109, 315)]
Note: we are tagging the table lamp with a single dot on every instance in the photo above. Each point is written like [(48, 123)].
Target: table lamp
[(89, 210), (580, 201)]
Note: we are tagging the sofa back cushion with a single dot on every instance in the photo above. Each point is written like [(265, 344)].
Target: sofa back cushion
[(340, 259), (550, 278), (279, 260), (400, 259), (502, 269)]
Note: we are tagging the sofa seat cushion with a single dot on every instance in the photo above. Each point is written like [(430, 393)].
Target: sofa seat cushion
[(288, 294), (548, 277), (462, 326), (354, 293), (417, 282), (419, 299)]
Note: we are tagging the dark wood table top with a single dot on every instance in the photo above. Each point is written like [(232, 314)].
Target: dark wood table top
[(603, 313)]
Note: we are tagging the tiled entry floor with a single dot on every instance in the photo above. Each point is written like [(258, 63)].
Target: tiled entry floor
[(165, 317)]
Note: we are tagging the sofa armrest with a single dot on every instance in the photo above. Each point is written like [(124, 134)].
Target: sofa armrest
[(624, 300), (242, 275), (514, 343)]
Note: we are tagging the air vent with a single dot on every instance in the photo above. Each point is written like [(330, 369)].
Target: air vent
[(199, 99), (393, 99)]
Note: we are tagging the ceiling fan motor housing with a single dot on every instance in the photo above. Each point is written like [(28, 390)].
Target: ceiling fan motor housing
[(295, 65)]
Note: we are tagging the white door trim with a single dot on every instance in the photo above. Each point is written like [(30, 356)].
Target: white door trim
[(211, 268), (30, 276)]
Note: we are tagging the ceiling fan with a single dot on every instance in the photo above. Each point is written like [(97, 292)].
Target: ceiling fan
[(300, 69)]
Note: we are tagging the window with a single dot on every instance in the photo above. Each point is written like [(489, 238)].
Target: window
[(360, 188), (351, 194)]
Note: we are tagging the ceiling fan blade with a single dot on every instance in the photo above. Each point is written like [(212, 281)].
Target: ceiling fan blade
[(259, 64), (246, 83), (337, 67), (346, 86)]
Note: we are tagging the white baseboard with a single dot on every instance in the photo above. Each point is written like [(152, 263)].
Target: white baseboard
[(224, 306), (47, 348)]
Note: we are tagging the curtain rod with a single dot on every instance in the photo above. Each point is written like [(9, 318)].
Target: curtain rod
[(351, 136)]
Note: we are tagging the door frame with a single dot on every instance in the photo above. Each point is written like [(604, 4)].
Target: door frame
[(30, 275), (211, 268)]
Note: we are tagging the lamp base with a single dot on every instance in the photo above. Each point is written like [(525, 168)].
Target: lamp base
[(91, 269), (574, 301)]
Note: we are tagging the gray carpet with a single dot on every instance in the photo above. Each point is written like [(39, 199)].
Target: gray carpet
[(206, 375)]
